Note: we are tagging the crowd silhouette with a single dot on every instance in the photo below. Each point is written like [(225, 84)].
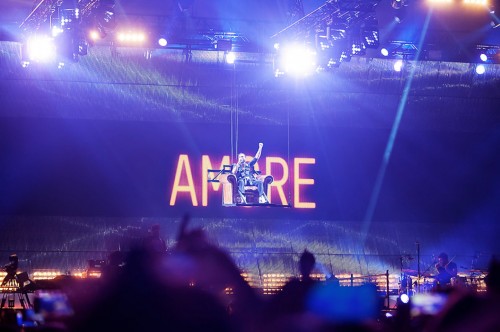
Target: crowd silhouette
[(185, 288)]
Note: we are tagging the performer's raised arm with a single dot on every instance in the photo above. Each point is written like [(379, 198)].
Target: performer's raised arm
[(259, 151)]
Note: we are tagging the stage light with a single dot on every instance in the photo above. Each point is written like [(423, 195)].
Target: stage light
[(138, 37), (230, 58), (488, 54), (46, 274), (41, 49), (476, 2), (82, 47), (108, 18), (162, 42), (298, 60), (276, 46), (370, 38), (131, 37), (105, 17), (384, 51), (397, 4), (404, 298), (480, 69), (223, 45), (398, 65), (94, 35), (56, 31), (439, 2), (357, 49)]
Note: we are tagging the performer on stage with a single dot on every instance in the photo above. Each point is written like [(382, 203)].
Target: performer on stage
[(247, 176), (154, 243), (446, 269)]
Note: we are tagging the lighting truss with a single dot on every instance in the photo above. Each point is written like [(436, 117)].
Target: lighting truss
[(337, 15), (210, 40), (397, 49), (491, 52), (402, 49), (338, 28), (44, 9), (295, 10), (68, 23), (40, 14)]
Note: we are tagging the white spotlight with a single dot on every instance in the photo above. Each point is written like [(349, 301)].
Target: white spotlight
[(404, 298), (480, 69), (397, 4), (230, 58), (298, 60), (94, 35), (476, 2), (56, 31), (131, 37), (439, 2), (398, 65), (140, 37), (162, 42), (41, 48), (483, 57), (384, 51)]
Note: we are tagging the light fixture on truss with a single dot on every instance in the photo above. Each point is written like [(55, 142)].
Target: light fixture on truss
[(72, 27)]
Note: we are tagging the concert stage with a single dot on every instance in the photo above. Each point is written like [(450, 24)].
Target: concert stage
[(385, 154)]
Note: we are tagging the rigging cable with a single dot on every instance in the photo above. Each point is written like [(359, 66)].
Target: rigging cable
[(288, 146), (231, 105), (237, 112)]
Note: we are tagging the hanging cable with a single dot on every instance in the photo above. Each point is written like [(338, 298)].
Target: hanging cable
[(288, 144), (236, 111), (231, 106)]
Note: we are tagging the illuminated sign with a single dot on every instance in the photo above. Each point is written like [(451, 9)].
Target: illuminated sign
[(187, 184)]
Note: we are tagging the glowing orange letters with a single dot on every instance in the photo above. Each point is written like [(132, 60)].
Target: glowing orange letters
[(184, 185)]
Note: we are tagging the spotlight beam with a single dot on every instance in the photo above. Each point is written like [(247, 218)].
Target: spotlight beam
[(392, 138)]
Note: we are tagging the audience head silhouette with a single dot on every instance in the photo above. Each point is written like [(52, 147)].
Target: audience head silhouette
[(306, 263)]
